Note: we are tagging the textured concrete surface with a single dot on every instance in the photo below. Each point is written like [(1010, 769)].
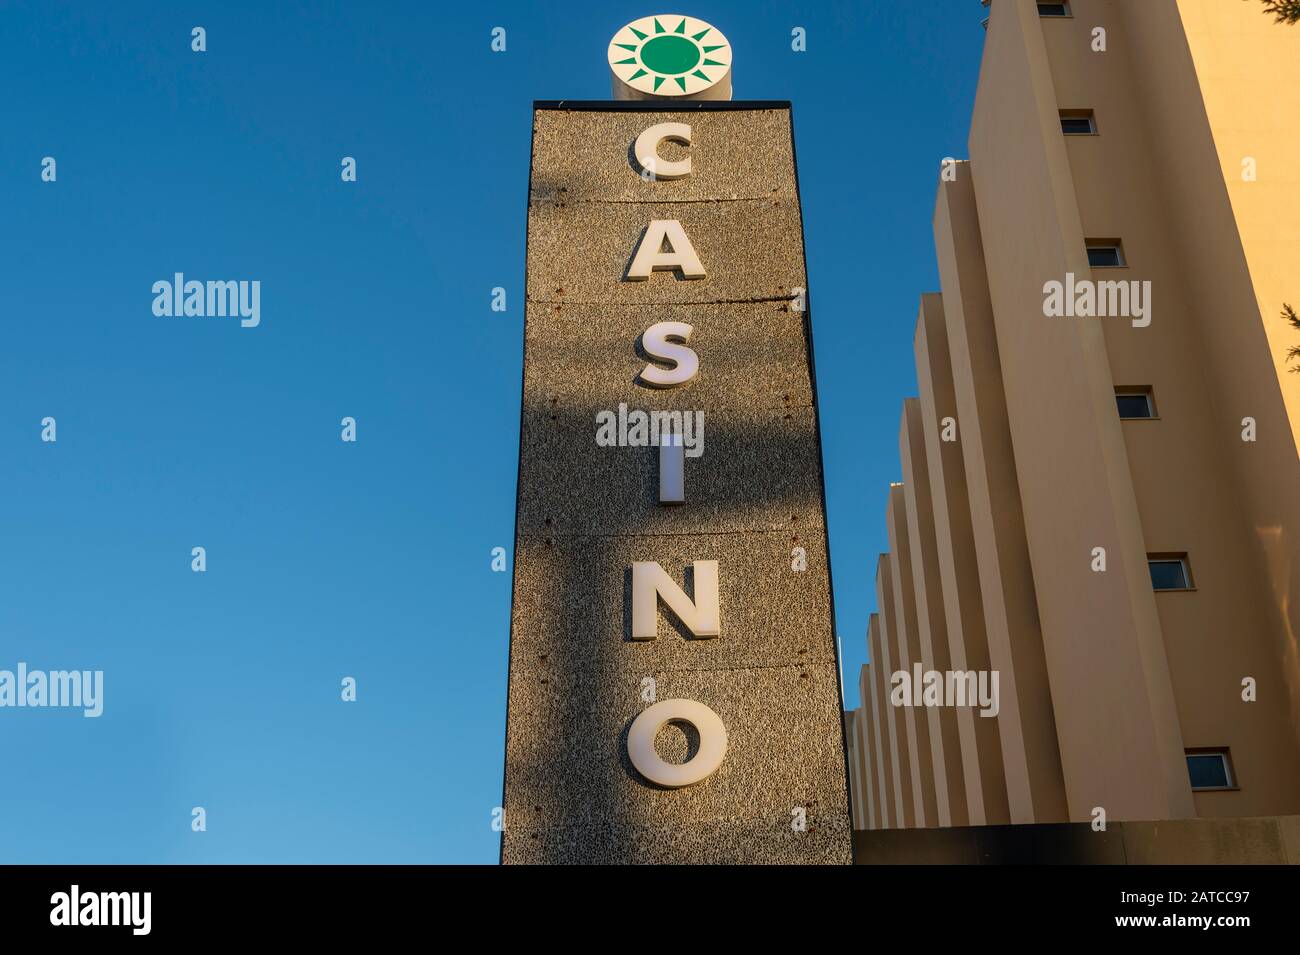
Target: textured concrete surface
[(704, 842), (580, 251), (756, 472), (734, 155), (782, 754), (572, 599), (587, 356), (586, 513)]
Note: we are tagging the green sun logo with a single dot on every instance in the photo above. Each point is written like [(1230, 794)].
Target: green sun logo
[(670, 55)]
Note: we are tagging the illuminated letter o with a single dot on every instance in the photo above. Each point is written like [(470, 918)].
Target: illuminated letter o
[(641, 743)]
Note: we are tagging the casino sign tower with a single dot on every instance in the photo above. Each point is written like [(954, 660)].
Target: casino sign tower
[(674, 684)]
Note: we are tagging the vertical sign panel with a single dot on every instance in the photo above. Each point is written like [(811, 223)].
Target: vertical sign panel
[(615, 605)]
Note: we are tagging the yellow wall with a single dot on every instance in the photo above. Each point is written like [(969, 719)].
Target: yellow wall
[(1248, 68)]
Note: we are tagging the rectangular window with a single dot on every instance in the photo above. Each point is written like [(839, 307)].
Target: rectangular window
[(1078, 122), (1135, 402), (1169, 572), (1053, 9), (1106, 254), (1209, 769)]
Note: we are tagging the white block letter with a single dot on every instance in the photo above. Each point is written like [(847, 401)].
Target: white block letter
[(666, 341), (672, 469), (647, 150), (650, 582), (641, 743), (650, 255)]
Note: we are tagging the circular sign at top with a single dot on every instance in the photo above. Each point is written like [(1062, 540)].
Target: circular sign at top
[(670, 57)]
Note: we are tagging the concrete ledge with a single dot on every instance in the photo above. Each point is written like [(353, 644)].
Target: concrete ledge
[(1268, 840)]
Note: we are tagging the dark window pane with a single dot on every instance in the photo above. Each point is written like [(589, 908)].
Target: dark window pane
[(1133, 406), (1053, 10), (1076, 125), (1101, 256), (1208, 771), (1168, 574)]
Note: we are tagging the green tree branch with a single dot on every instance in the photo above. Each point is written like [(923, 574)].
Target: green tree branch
[(1292, 353), (1283, 11)]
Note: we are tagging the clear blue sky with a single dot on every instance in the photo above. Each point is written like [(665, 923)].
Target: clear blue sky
[(371, 559)]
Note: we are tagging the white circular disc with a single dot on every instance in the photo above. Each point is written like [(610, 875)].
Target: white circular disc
[(670, 56)]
